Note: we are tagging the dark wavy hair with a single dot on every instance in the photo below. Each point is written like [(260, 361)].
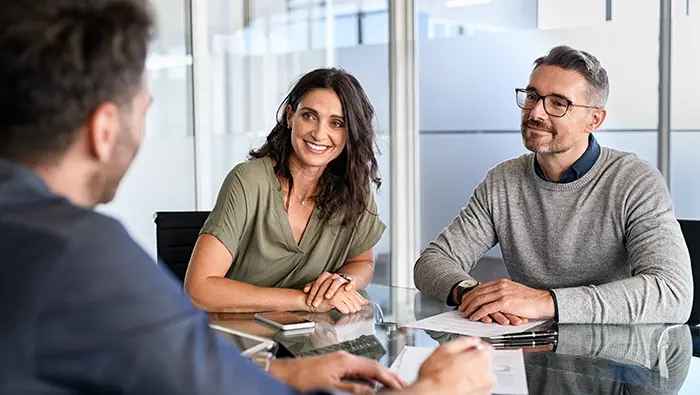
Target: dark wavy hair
[(61, 59), (344, 187)]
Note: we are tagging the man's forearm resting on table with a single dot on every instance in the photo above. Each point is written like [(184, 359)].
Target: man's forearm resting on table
[(219, 294), (642, 299), (437, 275)]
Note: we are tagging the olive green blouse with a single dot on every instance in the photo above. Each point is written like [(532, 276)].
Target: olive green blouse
[(250, 220)]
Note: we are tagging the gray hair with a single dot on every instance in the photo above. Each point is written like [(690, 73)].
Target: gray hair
[(583, 63)]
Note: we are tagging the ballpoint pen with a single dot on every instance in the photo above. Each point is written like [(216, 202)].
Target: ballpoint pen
[(525, 335), (526, 343)]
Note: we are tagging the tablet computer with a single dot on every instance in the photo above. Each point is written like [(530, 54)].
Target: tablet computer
[(247, 344)]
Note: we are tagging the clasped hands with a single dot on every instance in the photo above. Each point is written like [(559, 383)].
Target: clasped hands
[(506, 302), (332, 291)]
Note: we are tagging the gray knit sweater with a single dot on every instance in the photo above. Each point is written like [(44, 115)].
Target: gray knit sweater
[(607, 244)]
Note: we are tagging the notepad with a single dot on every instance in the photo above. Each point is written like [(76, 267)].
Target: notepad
[(508, 366), (453, 322)]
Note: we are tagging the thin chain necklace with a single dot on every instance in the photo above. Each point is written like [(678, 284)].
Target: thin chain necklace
[(302, 201)]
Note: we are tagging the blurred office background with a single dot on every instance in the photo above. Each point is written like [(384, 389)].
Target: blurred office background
[(220, 68)]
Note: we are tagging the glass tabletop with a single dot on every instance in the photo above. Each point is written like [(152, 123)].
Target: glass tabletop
[(588, 359)]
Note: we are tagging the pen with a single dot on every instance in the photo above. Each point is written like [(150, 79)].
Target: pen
[(526, 343), (525, 335)]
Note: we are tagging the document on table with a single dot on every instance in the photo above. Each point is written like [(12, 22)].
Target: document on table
[(508, 366), (453, 322)]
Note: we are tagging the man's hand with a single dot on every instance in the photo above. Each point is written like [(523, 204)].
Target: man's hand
[(325, 286), (327, 371), (501, 318), (346, 302), (508, 298), (462, 366), (504, 319)]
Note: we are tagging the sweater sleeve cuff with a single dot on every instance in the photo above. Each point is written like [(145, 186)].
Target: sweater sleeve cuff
[(445, 283), (556, 305), (450, 297)]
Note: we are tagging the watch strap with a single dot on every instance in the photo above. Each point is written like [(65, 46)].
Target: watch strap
[(463, 290)]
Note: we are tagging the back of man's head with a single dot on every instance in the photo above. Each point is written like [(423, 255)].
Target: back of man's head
[(60, 60)]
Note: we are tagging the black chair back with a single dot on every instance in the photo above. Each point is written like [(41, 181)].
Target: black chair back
[(691, 233), (176, 235)]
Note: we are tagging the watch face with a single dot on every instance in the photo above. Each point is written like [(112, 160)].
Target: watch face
[(468, 283)]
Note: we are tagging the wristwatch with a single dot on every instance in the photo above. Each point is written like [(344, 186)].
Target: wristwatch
[(345, 277), (462, 288), (263, 359)]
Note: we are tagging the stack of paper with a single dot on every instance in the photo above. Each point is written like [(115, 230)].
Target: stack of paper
[(453, 322), (508, 366)]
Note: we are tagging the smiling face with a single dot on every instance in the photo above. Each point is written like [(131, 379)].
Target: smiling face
[(548, 135), (318, 128)]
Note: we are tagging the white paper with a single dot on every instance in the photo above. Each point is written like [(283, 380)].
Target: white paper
[(397, 362), (453, 322), (410, 361), (508, 366)]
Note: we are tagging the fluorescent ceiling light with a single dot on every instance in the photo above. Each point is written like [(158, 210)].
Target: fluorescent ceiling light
[(464, 3)]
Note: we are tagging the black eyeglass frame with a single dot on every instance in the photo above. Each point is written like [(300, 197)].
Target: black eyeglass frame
[(569, 103)]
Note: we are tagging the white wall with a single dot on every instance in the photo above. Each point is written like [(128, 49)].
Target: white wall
[(685, 96), (685, 68), (558, 14), (495, 15)]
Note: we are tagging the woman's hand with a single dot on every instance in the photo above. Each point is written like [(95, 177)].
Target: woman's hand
[(346, 302), (326, 286)]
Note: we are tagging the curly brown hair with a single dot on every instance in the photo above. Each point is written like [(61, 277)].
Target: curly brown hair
[(344, 187)]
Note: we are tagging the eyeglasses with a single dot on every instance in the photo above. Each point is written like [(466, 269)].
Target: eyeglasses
[(554, 105)]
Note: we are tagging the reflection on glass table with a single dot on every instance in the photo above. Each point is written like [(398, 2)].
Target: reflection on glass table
[(587, 359), (334, 332)]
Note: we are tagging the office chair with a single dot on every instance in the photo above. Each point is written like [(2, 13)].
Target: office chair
[(176, 235), (691, 233)]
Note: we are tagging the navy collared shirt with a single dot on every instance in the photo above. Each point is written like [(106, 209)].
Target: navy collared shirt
[(86, 311), (580, 167)]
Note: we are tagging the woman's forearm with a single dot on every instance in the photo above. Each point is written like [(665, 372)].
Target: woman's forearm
[(222, 295)]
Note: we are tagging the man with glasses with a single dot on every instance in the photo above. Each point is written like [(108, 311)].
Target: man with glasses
[(588, 233)]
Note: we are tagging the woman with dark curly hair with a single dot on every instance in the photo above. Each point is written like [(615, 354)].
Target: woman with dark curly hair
[(294, 227)]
